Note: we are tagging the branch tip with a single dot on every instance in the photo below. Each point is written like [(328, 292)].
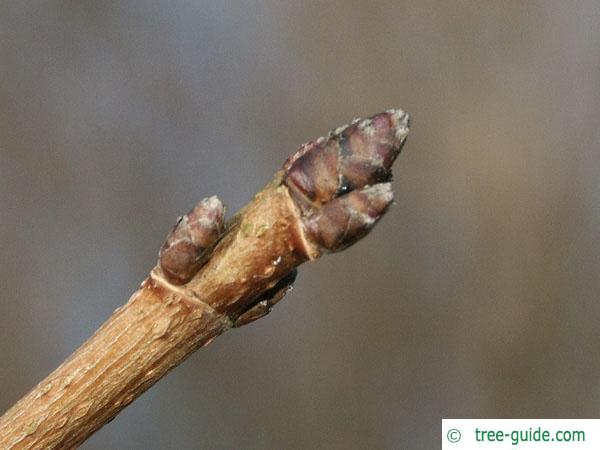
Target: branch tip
[(340, 183), (328, 195)]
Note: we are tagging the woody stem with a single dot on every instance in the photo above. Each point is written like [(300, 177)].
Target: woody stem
[(327, 196)]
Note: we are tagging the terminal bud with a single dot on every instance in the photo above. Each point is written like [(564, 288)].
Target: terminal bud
[(340, 183)]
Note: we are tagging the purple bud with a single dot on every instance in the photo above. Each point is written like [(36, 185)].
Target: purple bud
[(346, 219), (349, 158), (183, 252)]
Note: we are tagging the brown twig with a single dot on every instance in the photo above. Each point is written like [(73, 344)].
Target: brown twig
[(328, 195)]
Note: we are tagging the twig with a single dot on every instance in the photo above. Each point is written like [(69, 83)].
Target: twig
[(211, 278)]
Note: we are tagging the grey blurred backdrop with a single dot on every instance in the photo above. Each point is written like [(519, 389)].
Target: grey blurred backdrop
[(477, 295)]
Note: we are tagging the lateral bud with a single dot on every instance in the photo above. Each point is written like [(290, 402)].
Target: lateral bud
[(185, 249), (265, 303), (345, 220)]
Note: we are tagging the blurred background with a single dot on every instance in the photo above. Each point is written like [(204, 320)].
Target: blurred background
[(476, 296)]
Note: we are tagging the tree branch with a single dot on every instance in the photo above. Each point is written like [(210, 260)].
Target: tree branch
[(212, 277)]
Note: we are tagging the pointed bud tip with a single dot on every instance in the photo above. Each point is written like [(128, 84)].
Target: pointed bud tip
[(212, 202), (401, 121), (208, 215), (380, 197)]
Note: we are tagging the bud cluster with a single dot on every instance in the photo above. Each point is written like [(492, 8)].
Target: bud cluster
[(340, 182)]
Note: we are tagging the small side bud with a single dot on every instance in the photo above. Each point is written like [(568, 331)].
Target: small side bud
[(346, 219), (184, 250), (264, 304)]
